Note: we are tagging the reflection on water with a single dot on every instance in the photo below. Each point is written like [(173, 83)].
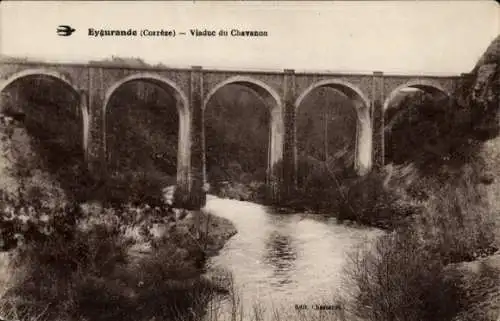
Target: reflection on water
[(286, 259), (280, 255)]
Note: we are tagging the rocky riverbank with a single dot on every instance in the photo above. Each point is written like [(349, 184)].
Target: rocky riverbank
[(134, 269), (191, 245)]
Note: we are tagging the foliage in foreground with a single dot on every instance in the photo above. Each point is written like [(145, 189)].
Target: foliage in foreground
[(90, 267), (396, 280), (405, 274)]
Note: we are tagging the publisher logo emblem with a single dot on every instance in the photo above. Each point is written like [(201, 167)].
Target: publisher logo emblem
[(65, 31)]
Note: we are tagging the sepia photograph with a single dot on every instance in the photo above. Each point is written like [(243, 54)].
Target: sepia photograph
[(250, 160)]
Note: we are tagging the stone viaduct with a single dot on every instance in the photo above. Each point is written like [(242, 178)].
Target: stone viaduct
[(282, 91)]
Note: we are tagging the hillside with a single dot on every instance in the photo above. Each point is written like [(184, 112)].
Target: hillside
[(484, 95)]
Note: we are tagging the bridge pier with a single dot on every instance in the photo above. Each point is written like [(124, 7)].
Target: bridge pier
[(377, 116), (96, 118), (183, 147), (197, 196), (289, 169), (275, 154), (364, 140), (83, 104)]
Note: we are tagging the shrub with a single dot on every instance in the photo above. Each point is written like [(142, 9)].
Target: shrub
[(320, 189), (74, 260), (458, 224), (479, 285), (397, 279), (372, 201), (378, 199), (134, 187), (86, 268), (404, 276), (54, 267)]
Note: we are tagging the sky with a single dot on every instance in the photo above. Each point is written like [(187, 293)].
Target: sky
[(431, 37)]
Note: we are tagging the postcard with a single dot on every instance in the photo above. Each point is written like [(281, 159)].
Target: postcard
[(261, 160)]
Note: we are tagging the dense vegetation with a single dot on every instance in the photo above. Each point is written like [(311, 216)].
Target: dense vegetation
[(439, 262), (237, 130), (82, 247), (236, 137)]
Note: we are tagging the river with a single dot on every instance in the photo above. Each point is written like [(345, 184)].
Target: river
[(284, 259)]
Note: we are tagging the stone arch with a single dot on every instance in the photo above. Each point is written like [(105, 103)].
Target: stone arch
[(182, 106), (37, 72), (273, 101), (394, 117), (260, 87), (66, 81), (344, 87), (364, 132), (428, 86)]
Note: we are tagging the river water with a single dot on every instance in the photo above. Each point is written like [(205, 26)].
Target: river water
[(285, 259)]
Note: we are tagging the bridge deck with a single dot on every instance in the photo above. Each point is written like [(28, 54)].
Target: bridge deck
[(110, 65)]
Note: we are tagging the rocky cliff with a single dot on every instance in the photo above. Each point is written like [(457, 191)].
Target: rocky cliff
[(481, 278), (484, 90), (484, 96)]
